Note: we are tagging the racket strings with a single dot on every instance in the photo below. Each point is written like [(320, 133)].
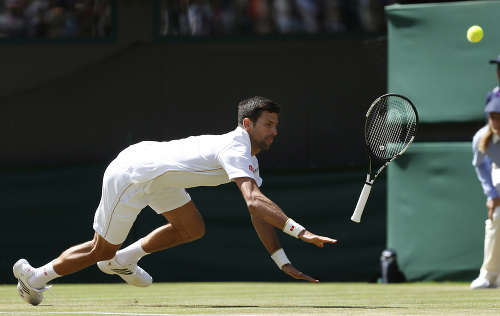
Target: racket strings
[(390, 126)]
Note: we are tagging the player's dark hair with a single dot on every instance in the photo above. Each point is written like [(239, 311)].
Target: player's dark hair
[(253, 107)]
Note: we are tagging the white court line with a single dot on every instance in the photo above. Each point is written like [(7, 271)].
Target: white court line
[(84, 313), (109, 313)]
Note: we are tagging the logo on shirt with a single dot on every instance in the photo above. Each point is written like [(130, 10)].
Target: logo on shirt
[(250, 167)]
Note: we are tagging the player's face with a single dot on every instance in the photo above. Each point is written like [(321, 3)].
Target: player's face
[(262, 132), (494, 120)]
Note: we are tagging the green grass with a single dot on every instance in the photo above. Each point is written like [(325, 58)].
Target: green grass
[(294, 298)]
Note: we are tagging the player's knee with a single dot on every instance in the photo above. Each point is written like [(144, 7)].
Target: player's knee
[(197, 231)]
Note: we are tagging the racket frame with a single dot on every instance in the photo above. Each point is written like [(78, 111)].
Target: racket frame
[(358, 211)]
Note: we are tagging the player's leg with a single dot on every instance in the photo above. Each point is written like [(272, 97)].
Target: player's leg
[(112, 222), (76, 258), (31, 281), (84, 255), (185, 224)]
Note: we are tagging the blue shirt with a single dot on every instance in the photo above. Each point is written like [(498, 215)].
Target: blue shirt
[(482, 162)]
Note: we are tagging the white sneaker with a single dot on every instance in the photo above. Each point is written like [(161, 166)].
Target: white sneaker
[(131, 273), (23, 271), (482, 283)]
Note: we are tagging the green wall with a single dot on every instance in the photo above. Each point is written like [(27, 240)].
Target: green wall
[(436, 212), (435, 204), (432, 62)]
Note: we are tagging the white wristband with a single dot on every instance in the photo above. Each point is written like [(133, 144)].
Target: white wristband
[(280, 258), (292, 228)]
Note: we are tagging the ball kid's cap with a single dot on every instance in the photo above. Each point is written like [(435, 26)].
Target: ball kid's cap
[(495, 61), (493, 106)]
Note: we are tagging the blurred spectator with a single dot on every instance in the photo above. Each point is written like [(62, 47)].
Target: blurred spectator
[(13, 23), (309, 14), (259, 12), (54, 18), (372, 15), (333, 19), (200, 17), (283, 15)]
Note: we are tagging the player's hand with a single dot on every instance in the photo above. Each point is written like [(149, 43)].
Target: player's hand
[(294, 273), (315, 239), (492, 205)]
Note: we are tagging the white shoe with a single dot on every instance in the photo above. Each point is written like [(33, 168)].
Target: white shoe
[(482, 283), (23, 271), (131, 273)]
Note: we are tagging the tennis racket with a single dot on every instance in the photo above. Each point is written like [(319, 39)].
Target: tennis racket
[(390, 128)]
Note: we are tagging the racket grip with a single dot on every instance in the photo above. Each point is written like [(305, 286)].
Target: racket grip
[(358, 211)]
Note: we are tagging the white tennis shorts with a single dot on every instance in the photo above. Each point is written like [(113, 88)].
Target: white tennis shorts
[(122, 200)]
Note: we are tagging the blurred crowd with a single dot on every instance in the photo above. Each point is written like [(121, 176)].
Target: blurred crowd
[(206, 17), (92, 18), (54, 18)]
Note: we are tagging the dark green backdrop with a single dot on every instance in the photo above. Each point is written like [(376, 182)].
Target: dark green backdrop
[(50, 209), (436, 208)]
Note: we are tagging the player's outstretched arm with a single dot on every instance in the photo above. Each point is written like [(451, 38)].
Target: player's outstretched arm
[(265, 216), (263, 208), (258, 204), (267, 234)]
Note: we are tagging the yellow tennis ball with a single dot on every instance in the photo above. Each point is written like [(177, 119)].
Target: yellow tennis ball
[(475, 34)]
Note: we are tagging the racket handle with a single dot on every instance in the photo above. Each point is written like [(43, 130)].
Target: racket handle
[(356, 216)]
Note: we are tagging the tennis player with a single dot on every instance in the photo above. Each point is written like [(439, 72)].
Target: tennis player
[(157, 174), (486, 149)]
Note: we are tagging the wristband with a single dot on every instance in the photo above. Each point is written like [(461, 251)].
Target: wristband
[(280, 258), (292, 228)]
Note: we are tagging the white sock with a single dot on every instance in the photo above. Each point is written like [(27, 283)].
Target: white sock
[(131, 254), (43, 275)]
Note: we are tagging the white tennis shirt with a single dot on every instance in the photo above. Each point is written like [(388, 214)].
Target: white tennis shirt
[(206, 160)]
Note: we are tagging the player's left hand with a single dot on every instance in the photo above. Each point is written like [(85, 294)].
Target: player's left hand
[(290, 270), (492, 205), (319, 241)]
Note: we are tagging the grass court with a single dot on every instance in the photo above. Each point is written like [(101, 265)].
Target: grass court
[(243, 298)]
